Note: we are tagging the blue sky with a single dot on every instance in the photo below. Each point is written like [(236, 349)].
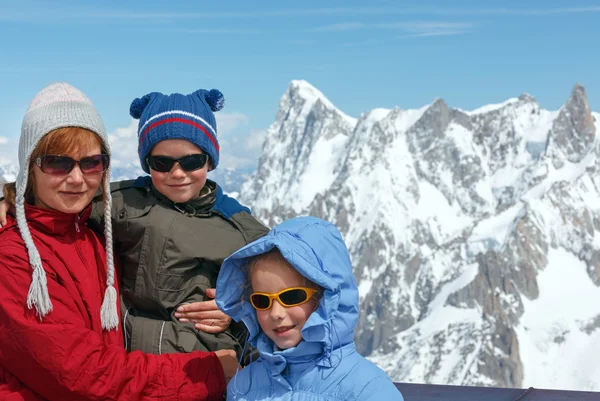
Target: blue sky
[(361, 55)]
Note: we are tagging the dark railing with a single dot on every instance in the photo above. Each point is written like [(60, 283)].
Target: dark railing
[(434, 392)]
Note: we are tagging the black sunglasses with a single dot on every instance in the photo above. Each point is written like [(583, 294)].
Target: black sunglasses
[(62, 165), (164, 164)]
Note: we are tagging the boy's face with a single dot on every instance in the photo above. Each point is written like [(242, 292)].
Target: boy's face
[(280, 324), (178, 185)]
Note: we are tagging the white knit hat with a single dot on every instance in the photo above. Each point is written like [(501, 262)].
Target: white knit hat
[(56, 106)]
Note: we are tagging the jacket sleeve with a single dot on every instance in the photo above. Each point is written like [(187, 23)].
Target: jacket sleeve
[(60, 359), (380, 388)]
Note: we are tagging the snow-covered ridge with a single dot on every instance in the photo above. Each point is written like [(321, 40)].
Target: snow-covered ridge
[(492, 107), (459, 224)]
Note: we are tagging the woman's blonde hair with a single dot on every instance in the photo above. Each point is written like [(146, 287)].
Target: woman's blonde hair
[(61, 141)]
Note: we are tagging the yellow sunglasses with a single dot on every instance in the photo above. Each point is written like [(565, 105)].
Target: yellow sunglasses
[(289, 297)]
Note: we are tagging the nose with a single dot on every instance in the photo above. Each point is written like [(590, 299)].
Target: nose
[(177, 171), (277, 312), (75, 176)]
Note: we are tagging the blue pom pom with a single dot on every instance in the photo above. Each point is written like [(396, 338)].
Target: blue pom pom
[(215, 99), (138, 105)]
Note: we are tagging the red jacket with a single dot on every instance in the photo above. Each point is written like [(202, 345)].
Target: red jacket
[(67, 355)]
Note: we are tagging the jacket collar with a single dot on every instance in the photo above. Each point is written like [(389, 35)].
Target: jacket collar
[(53, 222), (277, 360), (196, 206)]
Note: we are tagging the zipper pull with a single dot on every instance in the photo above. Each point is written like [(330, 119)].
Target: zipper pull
[(77, 223)]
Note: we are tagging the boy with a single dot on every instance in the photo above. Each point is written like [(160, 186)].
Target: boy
[(174, 229)]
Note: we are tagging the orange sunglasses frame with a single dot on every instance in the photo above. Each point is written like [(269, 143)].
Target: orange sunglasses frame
[(309, 294)]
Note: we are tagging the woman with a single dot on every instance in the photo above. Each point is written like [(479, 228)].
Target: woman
[(60, 337)]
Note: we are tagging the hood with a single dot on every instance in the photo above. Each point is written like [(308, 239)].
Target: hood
[(315, 248)]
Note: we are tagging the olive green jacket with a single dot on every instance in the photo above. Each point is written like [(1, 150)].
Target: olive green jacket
[(171, 253)]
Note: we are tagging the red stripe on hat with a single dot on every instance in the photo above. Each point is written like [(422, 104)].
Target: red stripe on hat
[(183, 121)]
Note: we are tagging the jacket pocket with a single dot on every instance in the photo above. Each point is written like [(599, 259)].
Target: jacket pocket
[(129, 212), (191, 277)]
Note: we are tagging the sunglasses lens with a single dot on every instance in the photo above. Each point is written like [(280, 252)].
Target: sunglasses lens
[(57, 164), (293, 297), (193, 162), (260, 301), (94, 164), (161, 164)]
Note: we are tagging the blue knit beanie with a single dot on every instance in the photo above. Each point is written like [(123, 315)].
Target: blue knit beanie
[(178, 116)]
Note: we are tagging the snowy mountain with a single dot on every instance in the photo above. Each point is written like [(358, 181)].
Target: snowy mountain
[(8, 172), (475, 235)]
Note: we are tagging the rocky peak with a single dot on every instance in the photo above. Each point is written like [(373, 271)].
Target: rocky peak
[(430, 127), (527, 98), (573, 131)]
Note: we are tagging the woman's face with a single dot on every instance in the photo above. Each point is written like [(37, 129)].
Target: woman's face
[(69, 193)]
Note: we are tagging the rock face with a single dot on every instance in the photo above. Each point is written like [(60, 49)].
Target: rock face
[(573, 131), (472, 233)]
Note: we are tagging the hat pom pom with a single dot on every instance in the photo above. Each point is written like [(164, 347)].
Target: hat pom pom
[(138, 105), (215, 99)]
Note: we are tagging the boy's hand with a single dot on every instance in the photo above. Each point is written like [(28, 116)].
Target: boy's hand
[(206, 316), (3, 211), (229, 363)]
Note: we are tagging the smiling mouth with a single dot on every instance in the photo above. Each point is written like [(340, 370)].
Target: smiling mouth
[(281, 330), (72, 193)]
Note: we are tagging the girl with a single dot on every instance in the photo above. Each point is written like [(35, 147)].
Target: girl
[(295, 291)]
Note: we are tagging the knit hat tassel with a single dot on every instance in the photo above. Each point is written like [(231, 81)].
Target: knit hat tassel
[(108, 311), (38, 292)]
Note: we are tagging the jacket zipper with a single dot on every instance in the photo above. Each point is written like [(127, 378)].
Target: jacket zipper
[(76, 245)]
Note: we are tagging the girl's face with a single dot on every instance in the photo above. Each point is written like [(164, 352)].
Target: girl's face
[(178, 185), (282, 325), (68, 193)]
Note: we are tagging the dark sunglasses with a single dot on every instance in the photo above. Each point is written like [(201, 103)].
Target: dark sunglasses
[(289, 297), (164, 164), (62, 165)]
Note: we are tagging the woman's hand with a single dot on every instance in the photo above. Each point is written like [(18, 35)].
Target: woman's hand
[(206, 316), (229, 363), (3, 210)]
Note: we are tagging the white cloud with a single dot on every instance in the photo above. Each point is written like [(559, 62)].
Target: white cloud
[(123, 145), (219, 31), (229, 122), (9, 150), (412, 28), (435, 28), (348, 26), (237, 161), (57, 15), (255, 140)]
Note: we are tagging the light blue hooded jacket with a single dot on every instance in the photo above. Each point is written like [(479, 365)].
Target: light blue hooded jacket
[(325, 365)]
